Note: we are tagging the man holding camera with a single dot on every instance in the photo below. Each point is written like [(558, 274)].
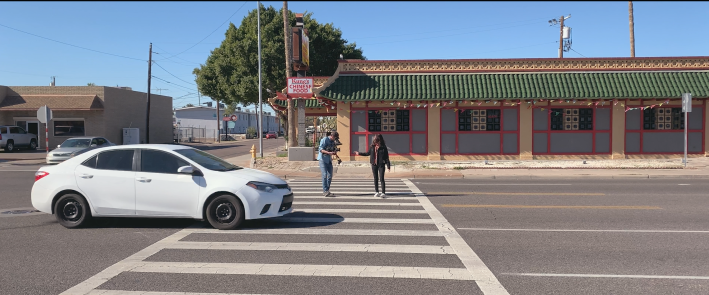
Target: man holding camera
[(326, 150)]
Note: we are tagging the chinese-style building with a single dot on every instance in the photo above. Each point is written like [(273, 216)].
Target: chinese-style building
[(570, 108)]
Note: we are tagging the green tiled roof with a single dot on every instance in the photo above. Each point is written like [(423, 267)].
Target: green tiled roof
[(519, 86), (309, 103)]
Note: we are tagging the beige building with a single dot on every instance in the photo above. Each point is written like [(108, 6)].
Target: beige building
[(86, 111), (535, 108)]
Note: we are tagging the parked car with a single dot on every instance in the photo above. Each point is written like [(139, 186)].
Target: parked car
[(13, 137), (151, 180), (309, 129), (271, 135), (64, 150)]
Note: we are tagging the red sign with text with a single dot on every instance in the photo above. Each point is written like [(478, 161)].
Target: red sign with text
[(300, 87)]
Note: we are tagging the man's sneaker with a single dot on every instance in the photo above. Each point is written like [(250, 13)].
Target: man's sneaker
[(325, 193), (329, 194)]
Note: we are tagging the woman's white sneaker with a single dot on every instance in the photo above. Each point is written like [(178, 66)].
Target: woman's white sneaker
[(382, 195), (376, 195)]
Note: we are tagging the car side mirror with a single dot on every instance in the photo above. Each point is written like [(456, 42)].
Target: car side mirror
[(94, 145), (59, 145), (189, 170)]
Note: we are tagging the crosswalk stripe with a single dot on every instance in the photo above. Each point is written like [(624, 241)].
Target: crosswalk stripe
[(351, 197), (321, 231), (362, 271), (375, 211), (322, 247), (348, 185), (355, 203), (126, 292), (353, 220), (350, 192)]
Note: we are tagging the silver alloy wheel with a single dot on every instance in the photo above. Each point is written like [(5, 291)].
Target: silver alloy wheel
[(10, 146), (33, 145)]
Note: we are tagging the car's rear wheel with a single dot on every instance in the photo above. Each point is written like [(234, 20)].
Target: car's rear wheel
[(225, 212), (10, 146), (72, 211), (33, 145)]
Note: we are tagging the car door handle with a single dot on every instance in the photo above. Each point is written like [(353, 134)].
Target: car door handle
[(86, 176), (143, 179)]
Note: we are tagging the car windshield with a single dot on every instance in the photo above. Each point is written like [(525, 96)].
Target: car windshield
[(76, 143), (207, 160)]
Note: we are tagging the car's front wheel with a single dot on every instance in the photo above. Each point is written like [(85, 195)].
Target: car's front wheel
[(33, 145), (72, 211), (225, 212)]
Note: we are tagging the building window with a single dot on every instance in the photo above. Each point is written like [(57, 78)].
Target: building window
[(572, 119), (69, 128), (479, 120), (388, 121), (663, 119)]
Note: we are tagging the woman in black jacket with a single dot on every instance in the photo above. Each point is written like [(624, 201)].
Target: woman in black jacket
[(378, 157)]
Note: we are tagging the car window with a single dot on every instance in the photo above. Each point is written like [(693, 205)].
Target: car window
[(3, 130), (160, 162), (91, 163), (14, 130), (101, 141), (76, 143), (207, 160), (21, 131), (94, 141), (121, 160)]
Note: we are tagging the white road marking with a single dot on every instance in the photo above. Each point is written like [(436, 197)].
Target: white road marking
[(498, 184), (589, 230), (362, 271), (124, 292), (486, 280), (355, 203), (407, 197), (607, 276), (382, 211), (323, 247), (97, 280), (351, 192), (684, 184), (321, 231), (358, 186), (353, 220)]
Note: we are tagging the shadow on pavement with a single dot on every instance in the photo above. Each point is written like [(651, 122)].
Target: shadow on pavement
[(116, 222)]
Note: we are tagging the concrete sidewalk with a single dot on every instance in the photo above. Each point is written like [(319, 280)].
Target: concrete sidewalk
[(696, 168)]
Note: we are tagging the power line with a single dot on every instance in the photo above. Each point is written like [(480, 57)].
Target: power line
[(174, 75), (577, 52), (205, 38), (165, 51), (178, 85), (89, 49)]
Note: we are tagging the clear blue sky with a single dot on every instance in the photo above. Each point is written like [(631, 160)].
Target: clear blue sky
[(384, 30)]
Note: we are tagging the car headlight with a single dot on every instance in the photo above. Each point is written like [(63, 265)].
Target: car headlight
[(262, 186)]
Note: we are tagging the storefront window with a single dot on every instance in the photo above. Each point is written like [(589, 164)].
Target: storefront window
[(663, 119), (572, 119), (479, 120), (388, 121), (69, 128)]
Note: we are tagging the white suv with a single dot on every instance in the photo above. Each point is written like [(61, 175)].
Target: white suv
[(12, 137)]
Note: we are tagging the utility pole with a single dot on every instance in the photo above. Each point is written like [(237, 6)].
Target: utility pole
[(561, 38), (147, 119), (260, 105), (292, 139), (632, 29)]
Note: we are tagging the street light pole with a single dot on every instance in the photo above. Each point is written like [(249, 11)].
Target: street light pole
[(260, 105)]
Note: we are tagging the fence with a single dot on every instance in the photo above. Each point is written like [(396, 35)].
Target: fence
[(194, 134)]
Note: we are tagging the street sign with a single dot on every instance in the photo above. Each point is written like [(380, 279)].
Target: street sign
[(44, 114), (687, 103), (686, 108), (233, 117), (230, 124), (300, 87)]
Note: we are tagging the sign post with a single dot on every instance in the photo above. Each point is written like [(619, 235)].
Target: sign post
[(686, 108), (44, 115)]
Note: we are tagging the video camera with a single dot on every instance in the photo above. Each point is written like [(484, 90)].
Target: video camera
[(334, 148)]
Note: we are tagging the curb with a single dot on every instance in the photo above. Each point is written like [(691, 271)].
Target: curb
[(509, 177)]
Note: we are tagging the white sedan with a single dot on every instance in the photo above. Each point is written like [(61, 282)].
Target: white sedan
[(146, 180)]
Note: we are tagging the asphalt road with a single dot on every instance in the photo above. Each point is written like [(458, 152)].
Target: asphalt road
[(543, 237), (584, 236)]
